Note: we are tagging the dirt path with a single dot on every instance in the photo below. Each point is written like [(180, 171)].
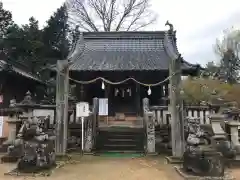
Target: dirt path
[(236, 173), (106, 168)]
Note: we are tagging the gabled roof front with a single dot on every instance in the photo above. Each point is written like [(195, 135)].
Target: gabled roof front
[(125, 51)]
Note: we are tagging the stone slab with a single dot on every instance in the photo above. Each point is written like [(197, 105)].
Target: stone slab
[(152, 154), (173, 160), (88, 153), (187, 176), (233, 163), (9, 159), (43, 173)]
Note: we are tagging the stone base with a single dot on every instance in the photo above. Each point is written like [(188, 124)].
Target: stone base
[(60, 157), (152, 154), (3, 148), (43, 173), (233, 163), (88, 153), (9, 159), (189, 176), (173, 160)]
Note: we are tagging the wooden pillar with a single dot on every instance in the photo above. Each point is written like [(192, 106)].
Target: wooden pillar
[(95, 119), (177, 124), (106, 90), (62, 92), (138, 99), (81, 92)]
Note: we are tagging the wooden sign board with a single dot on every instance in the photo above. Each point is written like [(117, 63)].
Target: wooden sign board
[(82, 109), (103, 107)]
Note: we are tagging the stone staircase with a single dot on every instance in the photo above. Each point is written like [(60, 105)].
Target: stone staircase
[(120, 139)]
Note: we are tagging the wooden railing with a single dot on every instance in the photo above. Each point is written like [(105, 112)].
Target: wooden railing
[(162, 114)]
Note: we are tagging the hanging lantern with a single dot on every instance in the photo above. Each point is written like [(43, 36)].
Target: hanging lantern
[(149, 91), (103, 86)]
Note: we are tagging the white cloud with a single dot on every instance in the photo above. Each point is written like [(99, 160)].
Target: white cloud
[(198, 22), (195, 20), (22, 10)]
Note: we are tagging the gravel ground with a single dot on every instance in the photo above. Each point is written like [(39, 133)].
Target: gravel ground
[(236, 173), (107, 168)]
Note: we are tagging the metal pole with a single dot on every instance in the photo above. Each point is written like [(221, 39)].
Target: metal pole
[(82, 119)]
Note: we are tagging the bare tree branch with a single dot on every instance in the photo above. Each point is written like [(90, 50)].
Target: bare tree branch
[(110, 15), (230, 41)]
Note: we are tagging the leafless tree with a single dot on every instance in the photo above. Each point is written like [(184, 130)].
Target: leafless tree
[(110, 15), (228, 48), (230, 41)]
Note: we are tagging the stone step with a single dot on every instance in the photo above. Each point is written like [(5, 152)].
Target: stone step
[(120, 139)]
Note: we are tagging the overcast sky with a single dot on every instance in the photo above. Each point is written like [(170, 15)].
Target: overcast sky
[(198, 22)]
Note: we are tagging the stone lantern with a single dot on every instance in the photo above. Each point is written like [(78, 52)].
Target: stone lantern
[(13, 123)]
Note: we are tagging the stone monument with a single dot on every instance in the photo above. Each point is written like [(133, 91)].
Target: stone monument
[(200, 157), (37, 146)]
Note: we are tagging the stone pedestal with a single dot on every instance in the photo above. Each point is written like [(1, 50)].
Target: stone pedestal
[(234, 131), (150, 127), (149, 123), (13, 123), (216, 120), (12, 156), (88, 136), (220, 140), (233, 125)]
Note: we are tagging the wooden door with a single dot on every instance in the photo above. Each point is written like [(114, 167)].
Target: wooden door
[(122, 98)]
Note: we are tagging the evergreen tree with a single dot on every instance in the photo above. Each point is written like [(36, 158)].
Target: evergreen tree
[(55, 35), (5, 20), (13, 43), (33, 45), (24, 45)]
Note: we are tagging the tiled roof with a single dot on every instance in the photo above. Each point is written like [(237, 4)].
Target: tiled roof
[(124, 51), (17, 70)]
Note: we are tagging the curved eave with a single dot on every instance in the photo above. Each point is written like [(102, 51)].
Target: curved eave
[(171, 49), (77, 49)]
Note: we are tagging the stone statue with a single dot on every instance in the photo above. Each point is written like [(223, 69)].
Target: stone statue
[(36, 144), (200, 156)]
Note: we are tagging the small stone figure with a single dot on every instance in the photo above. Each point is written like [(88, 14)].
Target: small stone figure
[(37, 146), (200, 157)]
